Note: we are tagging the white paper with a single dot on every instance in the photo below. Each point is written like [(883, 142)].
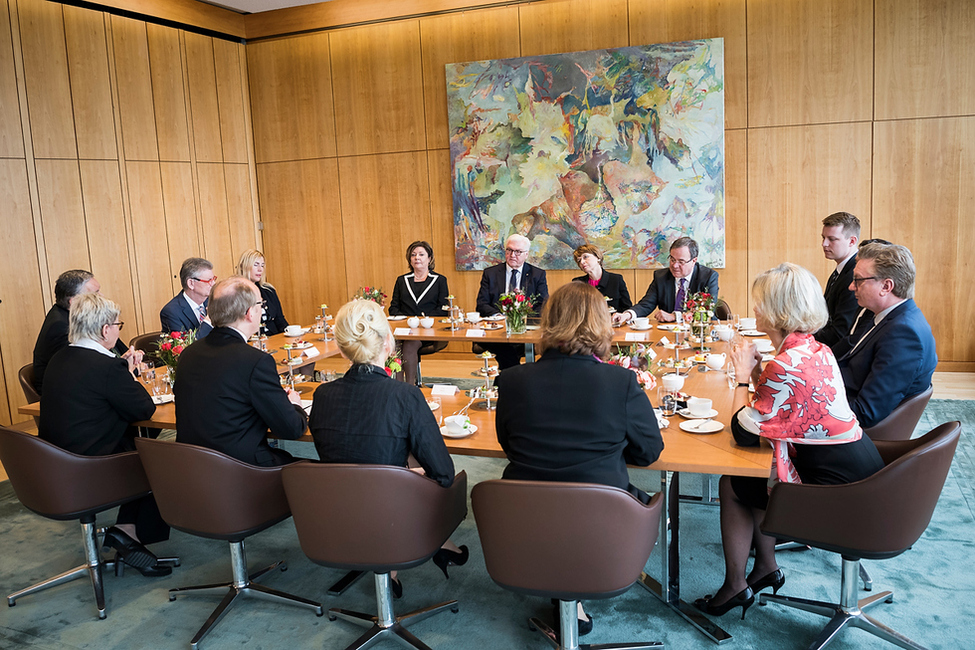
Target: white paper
[(311, 352), (474, 333), (401, 331), (636, 336), (444, 389), (306, 405), (664, 341)]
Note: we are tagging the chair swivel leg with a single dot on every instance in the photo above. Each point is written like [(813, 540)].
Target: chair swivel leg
[(568, 638)]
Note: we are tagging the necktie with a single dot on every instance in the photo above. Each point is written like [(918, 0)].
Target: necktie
[(203, 312), (832, 279), (681, 295), (513, 286)]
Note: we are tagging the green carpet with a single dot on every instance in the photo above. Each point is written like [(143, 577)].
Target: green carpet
[(933, 583)]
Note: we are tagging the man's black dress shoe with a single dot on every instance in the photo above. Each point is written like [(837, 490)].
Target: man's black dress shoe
[(134, 554)]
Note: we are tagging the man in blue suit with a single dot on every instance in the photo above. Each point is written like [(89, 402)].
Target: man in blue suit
[(187, 311), (891, 354)]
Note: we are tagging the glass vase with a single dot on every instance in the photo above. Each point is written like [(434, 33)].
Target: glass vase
[(515, 323)]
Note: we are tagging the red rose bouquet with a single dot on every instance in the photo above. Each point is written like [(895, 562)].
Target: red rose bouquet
[(172, 345)]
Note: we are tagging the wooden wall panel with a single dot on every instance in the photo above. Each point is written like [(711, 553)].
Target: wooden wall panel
[(102, 195), (924, 198), (456, 38), (204, 106), (228, 59), (243, 231), (63, 216), (291, 98), (302, 234), (734, 282), (809, 61), (572, 26), (169, 94), (189, 12), (23, 309), (797, 176), (46, 77), (134, 82), (11, 133), (378, 86), (214, 217), (148, 218), (925, 58), (665, 21), (182, 230), (91, 92)]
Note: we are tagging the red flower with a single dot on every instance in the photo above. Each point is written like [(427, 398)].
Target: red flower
[(174, 334), (178, 349), (166, 346), (389, 372), (520, 297)]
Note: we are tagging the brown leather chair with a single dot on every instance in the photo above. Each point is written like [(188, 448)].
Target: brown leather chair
[(877, 518), (428, 347), (149, 344), (535, 543), (722, 310), (374, 518), (899, 425), (26, 377), (60, 485), (209, 494)]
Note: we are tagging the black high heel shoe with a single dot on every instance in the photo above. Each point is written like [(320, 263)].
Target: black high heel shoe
[(444, 558), (397, 587), (744, 599), (775, 580), (134, 554)]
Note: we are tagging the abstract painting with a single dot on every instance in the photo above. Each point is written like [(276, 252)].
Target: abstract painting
[(621, 148)]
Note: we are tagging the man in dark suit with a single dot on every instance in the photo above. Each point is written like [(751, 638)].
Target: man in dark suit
[(187, 311), (515, 274), (891, 354), (54, 332), (672, 286), (841, 231), (228, 394), (91, 396)]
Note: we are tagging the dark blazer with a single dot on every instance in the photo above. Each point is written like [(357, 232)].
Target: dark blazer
[(53, 338), (841, 303), (227, 397), (432, 303), (493, 285), (894, 361), (572, 418), (90, 401), (176, 316), (273, 318), (613, 287), (662, 292)]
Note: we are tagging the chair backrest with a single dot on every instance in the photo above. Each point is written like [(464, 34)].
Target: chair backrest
[(722, 310), (148, 344), (371, 517), (899, 425), (206, 493), (878, 517), (61, 485), (26, 376), (564, 540)]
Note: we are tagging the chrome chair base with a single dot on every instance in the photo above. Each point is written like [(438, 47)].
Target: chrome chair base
[(569, 624), (242, 585), (848, 612), (386, 623)]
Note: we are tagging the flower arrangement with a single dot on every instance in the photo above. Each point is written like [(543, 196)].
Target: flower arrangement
[(637, 358), (394, 364), (375, 294), (516, 307), (172, 345), (701, 304)]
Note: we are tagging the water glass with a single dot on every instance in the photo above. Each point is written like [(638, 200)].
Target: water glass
[(667, 400), (732, 378), (736, 321), (438, 411)]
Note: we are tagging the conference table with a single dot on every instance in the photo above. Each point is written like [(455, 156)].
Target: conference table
[(713, 453)]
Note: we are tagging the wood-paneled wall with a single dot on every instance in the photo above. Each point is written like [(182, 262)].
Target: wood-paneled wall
[(125, 147), (829, 105)]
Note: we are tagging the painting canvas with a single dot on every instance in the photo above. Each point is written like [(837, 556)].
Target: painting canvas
[(621, 148)]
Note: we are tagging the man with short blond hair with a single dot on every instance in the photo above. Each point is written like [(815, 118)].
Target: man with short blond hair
[(841, 232)]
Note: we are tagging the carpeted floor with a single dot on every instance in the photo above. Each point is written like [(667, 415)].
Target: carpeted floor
[(933, 582)]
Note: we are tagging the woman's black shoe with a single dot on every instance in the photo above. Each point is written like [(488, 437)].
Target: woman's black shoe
[(585, 627), (444, 558), (134, 554), (775, 580), (744, 599), (397, 587)]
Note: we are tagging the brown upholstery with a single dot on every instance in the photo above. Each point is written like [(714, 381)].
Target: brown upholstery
[(899, 425), (535, 542), (149, 344), (722, 310), (26, 376), (371, 517), (431, 347), (209, 494)]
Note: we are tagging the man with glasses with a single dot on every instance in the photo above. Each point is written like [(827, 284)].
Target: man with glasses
[(671, 286), (227, 393), (515, 274), (890, 356), (841, 231), (187, 311)]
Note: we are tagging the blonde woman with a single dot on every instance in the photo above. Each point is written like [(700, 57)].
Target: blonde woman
[(252, 266)]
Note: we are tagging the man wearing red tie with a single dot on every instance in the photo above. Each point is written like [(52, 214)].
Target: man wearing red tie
[(188, 309)]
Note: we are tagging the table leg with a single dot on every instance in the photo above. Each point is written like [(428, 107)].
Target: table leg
[(529, 353), (670, 564)]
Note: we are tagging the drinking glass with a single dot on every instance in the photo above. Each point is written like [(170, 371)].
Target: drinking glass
[(667, 400), (729, 369), (438, 412), (736, 321)]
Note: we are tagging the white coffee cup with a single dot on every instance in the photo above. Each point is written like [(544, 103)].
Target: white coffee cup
[(426, 322), (293, 330), (747, 323), (764, 345), (473, 317), (641, 323), (699, 406), (413, 322), (715, 361), (724, 333), (457, 424), (672, 382)]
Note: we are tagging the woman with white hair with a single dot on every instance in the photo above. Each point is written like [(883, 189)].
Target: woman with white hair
[(800, 406)]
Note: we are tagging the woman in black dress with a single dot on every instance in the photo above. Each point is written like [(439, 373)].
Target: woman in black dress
[(252, 266), (590, 259), (419, 293)]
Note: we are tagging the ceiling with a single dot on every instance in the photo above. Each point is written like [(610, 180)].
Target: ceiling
[(256, 6)]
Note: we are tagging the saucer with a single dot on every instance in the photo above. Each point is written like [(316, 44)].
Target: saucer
[(162, 399), (471, 430), (701, 426), (752, 333), (494, 317), (400, 317), (767, 357), (641, 329), (433, 405), (673, 328), (686, 413), (304, 330)]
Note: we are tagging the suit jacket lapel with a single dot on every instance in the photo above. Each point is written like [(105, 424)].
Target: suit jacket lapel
[(875, 331)]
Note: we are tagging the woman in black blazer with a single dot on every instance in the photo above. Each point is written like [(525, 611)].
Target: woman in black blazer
[(590, 259), (570, 416), (251, 265)]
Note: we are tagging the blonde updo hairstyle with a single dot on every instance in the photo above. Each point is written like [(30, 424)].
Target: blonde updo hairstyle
[(361, 330), (790, 299)]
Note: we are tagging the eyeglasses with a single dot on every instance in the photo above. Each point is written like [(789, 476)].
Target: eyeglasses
[(674, 260), (513, 251), (119, 323), (210, 281), (858, 281)]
